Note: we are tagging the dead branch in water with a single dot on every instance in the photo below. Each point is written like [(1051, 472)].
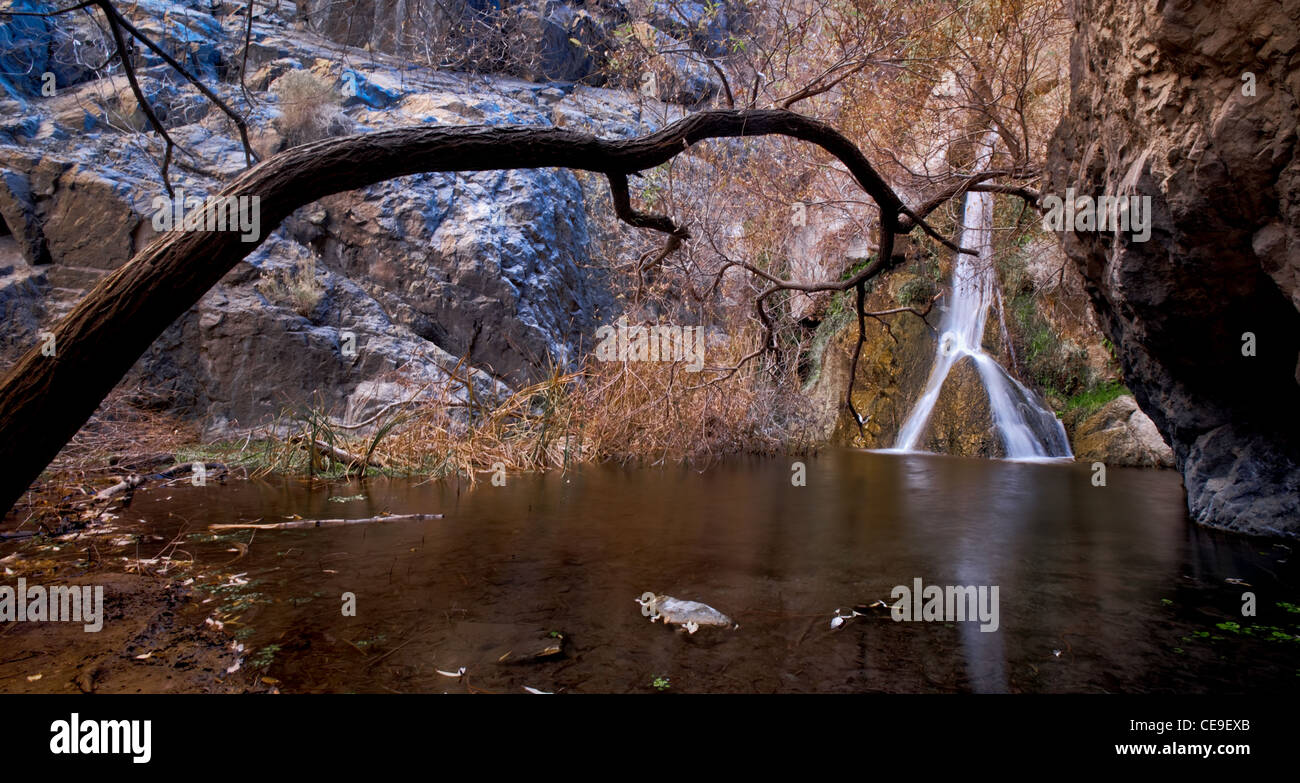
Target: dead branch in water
[(300, 523), (339, 454), (126, 484)]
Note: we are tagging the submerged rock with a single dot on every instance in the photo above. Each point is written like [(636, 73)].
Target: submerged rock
[(475, 644)]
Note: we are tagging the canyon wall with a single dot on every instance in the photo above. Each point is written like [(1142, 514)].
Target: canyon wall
[(1194, 105), (362, 300)]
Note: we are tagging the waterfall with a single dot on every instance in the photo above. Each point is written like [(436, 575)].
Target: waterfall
[(1026, 429)]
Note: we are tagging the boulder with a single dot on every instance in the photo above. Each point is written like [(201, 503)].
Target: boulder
[(674, 73), (1118, 433), (892, 368), (18, 216), (962, 420)]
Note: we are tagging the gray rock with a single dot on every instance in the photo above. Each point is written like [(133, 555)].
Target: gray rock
[(543, 39), (489, 265), (681, 75), (244, 356), (423, 271), (706, 25), (675, 611), (1225, 471), (23, 295), (24, 49), (18, 212)]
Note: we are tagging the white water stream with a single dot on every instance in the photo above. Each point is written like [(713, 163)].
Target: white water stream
[(1026, 429)]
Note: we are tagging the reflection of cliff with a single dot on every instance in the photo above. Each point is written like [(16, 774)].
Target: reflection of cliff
[(1160, 108)]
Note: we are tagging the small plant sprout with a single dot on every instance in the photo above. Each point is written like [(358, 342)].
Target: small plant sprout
[(661, 683)]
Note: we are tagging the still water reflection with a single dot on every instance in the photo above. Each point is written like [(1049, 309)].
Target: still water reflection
[(1101, 588)]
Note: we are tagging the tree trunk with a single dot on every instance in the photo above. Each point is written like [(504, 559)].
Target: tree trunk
[(44, 400)]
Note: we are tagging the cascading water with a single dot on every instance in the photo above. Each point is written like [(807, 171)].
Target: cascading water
[(1026, 429)]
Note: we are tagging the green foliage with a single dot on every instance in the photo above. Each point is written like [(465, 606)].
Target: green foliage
[(1270, 633), (1094, 398), (839, 314), (265, 656), (1057, 366), (364, 644), (1013, 276), (661, 683), (917, 291)]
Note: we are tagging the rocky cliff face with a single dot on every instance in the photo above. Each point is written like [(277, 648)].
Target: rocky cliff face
[(544, 40), (1195, 105), (359, 301)]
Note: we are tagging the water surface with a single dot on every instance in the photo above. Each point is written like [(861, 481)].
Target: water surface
[(1102, 589)]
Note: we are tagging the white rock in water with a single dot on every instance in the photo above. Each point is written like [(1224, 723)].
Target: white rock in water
[(675, 611)]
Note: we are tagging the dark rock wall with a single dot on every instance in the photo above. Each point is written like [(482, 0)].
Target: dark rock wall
[(1162, 106)]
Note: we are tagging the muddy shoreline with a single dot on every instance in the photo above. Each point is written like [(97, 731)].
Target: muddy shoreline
[(154, 639)]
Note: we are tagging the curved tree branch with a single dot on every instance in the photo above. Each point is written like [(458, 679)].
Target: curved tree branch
[(44, 399)]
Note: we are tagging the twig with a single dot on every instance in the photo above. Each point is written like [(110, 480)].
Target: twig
[(301, 523)]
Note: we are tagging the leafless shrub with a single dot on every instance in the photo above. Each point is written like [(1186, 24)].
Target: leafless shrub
[(310, 108)]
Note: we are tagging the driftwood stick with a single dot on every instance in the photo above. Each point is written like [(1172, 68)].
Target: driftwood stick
[(299, 523), (340, 454), (128, 483), (182, 468)]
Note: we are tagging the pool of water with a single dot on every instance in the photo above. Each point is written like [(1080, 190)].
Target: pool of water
[(1100, 589)]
